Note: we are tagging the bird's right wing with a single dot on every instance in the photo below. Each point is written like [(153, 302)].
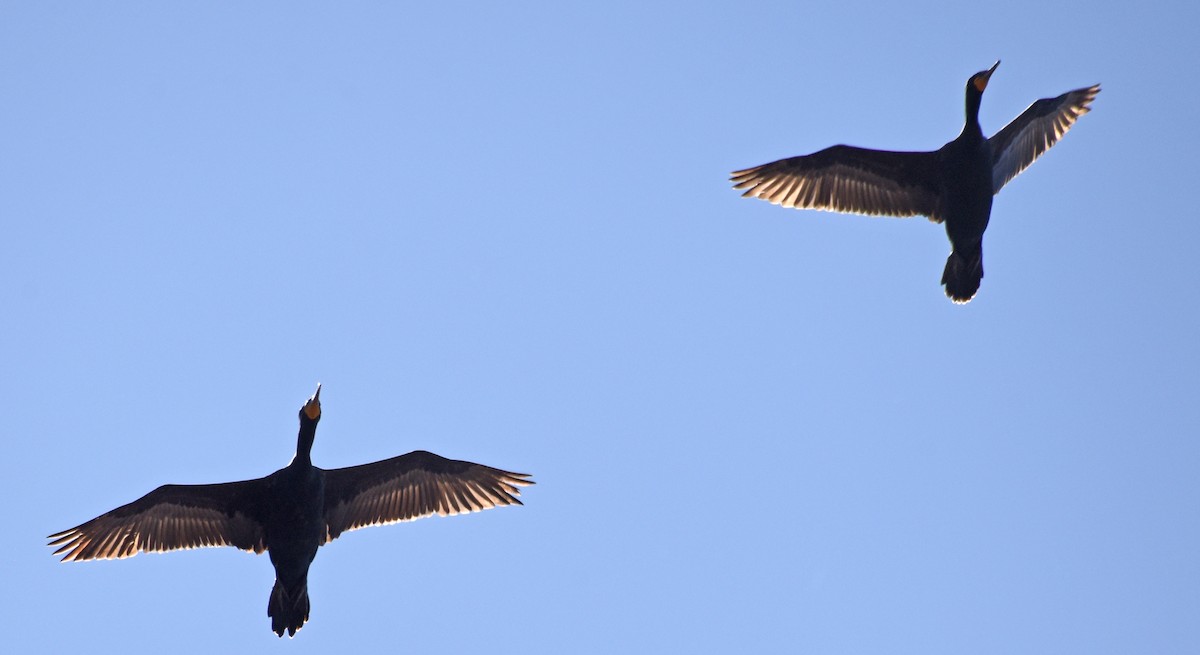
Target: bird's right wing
[(172, 517), (849, 179), (1040, 126), (412, 486)]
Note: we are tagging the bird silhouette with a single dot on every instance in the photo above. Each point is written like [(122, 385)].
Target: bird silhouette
[(952, 185), (292, 512)]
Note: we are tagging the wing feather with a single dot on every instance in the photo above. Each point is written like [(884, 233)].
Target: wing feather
[(849, 179), (414, 486), (172, 517), (1032, 133)]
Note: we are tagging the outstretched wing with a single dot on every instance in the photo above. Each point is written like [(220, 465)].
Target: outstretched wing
[(849, 179), (1040, 126), (413, 486), (172, 517)]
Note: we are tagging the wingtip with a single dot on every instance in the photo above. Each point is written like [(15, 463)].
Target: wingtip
[(519, 479), (64, 543), (743, 177), (1089, 94)]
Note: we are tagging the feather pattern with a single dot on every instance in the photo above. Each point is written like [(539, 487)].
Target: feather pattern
[(172, 517), (1038, 128), (849, 179), (413, 486)]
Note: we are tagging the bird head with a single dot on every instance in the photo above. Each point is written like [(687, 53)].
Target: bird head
[(980, 80), (312, 408)]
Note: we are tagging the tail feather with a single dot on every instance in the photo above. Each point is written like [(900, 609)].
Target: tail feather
[(962, 275), (288, 609)]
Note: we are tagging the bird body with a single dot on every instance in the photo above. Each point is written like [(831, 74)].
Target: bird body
[(953, 185), (291, 513), (294, 529), (966, 170)]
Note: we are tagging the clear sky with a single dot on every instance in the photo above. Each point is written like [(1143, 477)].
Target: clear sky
[(503, 232)]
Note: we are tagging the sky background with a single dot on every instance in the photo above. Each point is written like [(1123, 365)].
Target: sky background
[(503, 232)]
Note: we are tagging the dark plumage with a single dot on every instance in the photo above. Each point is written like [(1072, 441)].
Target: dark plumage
[(953, 185), (292, 512)]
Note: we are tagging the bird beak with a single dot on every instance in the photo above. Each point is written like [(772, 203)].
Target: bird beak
[(981, 79), (312, 408)]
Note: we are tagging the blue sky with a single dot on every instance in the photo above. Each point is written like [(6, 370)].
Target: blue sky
[(505, 234)]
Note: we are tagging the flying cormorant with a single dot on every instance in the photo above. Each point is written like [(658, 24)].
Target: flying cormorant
[(952, 185), (292, 512)]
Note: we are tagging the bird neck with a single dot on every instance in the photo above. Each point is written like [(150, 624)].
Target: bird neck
[(304, 442), (973, 100)]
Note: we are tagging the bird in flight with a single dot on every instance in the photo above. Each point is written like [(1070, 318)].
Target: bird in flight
[(291, 512), (952, 185)]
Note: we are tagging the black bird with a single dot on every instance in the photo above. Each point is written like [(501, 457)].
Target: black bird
[(292, 512), (953, 184)]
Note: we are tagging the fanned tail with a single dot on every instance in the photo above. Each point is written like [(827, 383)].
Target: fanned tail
[(962, 275), (288, 609)]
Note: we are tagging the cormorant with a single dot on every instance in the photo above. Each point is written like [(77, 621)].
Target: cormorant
[(292, 512), (954, 184)]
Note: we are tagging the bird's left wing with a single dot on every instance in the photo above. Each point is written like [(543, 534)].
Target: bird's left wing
[(1040, 126), (172, 517), (849, 179), (413, 486)]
